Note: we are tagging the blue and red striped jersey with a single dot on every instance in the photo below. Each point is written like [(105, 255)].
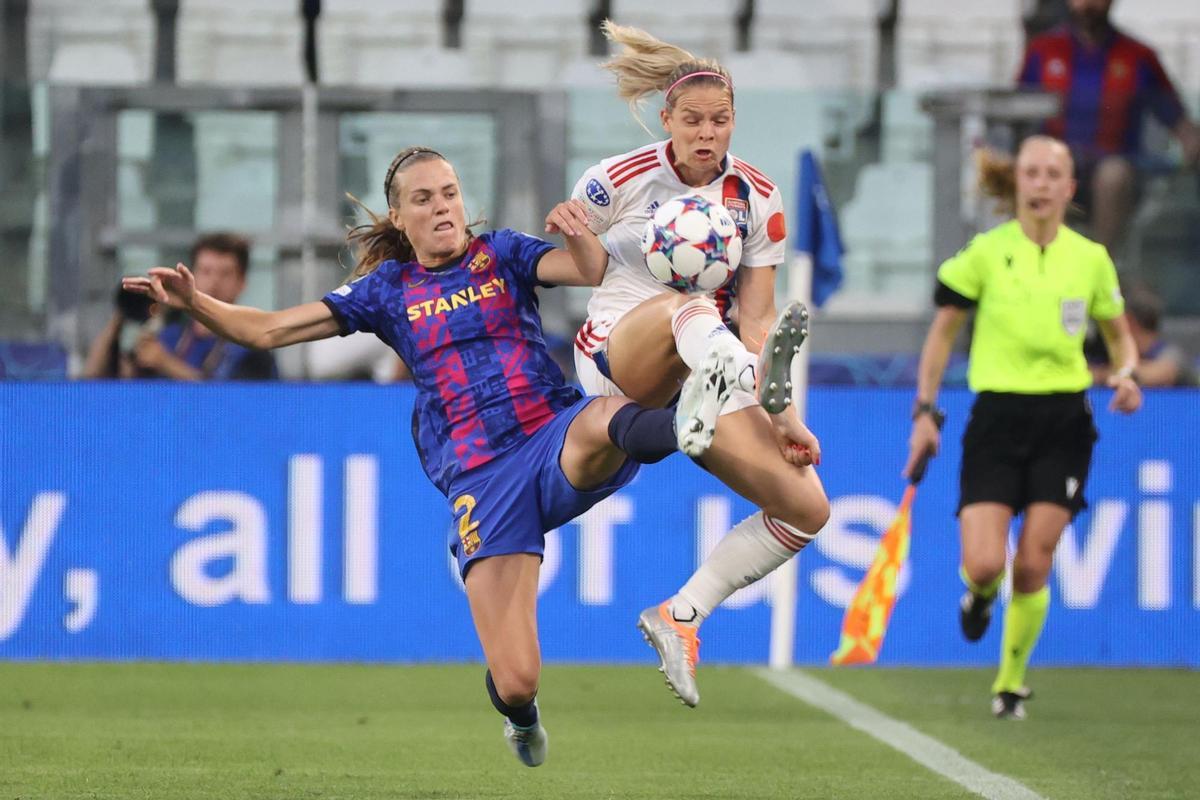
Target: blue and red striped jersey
[(471, 334), (1106, 90)]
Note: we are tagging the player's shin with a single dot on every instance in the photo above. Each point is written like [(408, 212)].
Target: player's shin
[(751, 550)]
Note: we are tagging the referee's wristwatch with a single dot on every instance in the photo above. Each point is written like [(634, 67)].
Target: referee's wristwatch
[(936, 414)]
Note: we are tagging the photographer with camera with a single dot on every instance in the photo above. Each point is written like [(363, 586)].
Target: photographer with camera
[(136, 343)]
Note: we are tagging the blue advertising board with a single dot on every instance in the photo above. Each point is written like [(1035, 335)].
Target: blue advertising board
[(293, 522)]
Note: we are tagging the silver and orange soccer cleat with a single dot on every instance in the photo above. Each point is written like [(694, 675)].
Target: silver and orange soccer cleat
[(678, 649)]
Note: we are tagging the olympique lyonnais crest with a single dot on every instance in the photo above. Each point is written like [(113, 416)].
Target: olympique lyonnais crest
[(739, 209), (1074, 315)]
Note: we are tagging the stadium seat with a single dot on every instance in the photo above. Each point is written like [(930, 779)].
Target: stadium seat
[(907, 130), (948, 44), (233, 42), (703, 29), (813, 44), (67, 46), (398, 43), (1172, 28), (1164, 238), (887, 228), (525, 45)]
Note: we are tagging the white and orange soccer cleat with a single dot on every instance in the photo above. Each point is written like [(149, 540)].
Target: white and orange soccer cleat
[(678, 648)]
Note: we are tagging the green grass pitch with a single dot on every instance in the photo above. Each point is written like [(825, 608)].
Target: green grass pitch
[(324, 731)]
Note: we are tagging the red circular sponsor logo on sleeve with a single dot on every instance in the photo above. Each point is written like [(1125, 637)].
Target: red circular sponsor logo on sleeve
[(777, 227)]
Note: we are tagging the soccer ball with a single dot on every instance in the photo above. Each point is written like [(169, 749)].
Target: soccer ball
[(692, 245)]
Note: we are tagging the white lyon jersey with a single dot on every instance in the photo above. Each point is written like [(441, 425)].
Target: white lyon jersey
[(621, 193)]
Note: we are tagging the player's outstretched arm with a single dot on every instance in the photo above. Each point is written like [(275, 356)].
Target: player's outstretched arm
[(584, 261), (251, 327)]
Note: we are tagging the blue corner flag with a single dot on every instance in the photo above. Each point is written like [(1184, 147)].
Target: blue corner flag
[(816, 232)]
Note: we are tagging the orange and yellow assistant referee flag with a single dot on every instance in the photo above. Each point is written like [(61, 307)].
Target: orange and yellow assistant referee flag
[(866, 619)]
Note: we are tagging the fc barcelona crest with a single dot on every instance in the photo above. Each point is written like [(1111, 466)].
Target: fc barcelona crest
[(480, 262), (468, 529)]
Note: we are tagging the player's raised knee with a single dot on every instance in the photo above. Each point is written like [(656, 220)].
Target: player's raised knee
[(814, 516), (806, 515)]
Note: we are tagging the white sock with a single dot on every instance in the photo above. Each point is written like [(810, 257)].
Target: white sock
[(751, 550), (697, 326)]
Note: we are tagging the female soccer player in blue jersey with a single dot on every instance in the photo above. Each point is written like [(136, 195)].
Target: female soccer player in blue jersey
[(1027, 449), (515, 449), (642, 339)]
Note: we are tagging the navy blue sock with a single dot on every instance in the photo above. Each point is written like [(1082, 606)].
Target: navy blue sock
[(647, 435), (525, 716)]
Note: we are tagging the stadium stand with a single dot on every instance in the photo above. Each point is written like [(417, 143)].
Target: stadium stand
[(943, 43), (809, 44), (525, 45), (888, 223), (366, 43), (844, 79), (230, 42), (66, 46), (706, 29)]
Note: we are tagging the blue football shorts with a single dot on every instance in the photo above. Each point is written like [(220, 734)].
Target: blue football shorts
[(507, 505)]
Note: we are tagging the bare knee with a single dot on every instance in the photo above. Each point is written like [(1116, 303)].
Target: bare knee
[(983, 568), (806, 511), (1030, 571)]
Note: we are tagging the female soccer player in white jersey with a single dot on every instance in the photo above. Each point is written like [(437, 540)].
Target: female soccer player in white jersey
[(641, 339)]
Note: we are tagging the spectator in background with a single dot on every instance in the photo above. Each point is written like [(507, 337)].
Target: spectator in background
[(183, 349), (1160, 362), (1108, 81), (109, 354)]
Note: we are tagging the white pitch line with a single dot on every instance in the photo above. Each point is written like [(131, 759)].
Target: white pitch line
[(925, 750)]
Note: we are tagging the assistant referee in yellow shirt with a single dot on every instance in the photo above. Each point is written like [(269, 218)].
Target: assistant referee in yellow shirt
[(1033, 283)]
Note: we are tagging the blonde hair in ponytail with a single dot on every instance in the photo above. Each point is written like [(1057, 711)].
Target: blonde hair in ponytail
[(997, 177), (647, 65)]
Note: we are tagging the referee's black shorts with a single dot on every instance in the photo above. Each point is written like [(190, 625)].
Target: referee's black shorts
[(1020, 449)]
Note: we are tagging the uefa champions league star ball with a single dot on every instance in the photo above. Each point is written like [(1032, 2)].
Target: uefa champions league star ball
[(692, 245)]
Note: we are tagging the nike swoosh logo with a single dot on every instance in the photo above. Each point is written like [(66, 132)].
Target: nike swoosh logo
[(415, 284)]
